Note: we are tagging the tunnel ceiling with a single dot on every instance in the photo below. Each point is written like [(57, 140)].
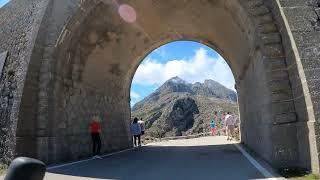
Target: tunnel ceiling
[(103, 40)]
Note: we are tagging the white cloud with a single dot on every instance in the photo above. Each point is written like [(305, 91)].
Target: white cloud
[(134, 95), (196, 69), (161, 51)]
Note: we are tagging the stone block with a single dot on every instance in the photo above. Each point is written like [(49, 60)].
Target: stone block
[(290, 55), (285, 149), (272, 38), (276, 64), (265, 19), (301, 109), (297, 92), (259, 139), (282, 95), (260, 11), (294, 76), (267, 28), (257, 3), (303, 131), (283, 107), (26, 146), (285, 118), (278, 75), (279, 85), (273, 50)]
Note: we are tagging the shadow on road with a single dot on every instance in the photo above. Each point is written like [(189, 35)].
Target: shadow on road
[(168, 162)]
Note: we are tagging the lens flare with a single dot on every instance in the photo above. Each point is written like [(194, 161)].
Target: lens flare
[(127, 13)]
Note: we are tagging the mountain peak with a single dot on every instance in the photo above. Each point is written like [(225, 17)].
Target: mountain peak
[(209, 88), (177, 80), (211, 82), (175, 84)]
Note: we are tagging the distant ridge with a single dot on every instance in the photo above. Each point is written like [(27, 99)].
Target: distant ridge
[(178, 107), (209, 88)]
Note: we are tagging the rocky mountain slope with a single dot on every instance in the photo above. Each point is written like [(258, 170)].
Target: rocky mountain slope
[(179, 108)]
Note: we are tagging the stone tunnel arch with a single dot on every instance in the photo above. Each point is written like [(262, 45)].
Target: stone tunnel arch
[(85, 57), (168, 41), (202, 44)]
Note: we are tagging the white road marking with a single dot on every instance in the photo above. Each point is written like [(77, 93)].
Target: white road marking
[(86, 160), (257, 165)]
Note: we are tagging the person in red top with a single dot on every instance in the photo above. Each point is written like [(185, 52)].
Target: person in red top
[(95, 130)]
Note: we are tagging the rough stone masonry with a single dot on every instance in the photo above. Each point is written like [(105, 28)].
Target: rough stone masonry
[(68, 60)]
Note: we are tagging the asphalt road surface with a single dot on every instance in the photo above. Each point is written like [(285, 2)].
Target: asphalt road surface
[(201, 158)]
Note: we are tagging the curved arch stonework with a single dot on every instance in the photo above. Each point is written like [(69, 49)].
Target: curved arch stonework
[(82, 58)]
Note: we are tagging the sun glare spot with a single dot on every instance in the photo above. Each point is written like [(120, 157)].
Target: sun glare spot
[(127, 13)]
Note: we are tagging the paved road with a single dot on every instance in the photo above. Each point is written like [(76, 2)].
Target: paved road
[(201, 158)]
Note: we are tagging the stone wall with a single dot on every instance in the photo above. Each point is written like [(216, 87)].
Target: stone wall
[(78, 87), (303, 18), (298, 24), (269, 111), (19, 24)]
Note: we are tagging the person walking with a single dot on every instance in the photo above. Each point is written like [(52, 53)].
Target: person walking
[(230, 123), (212, 127), (225, 123), (136, 132), (142, 125), (95, 130)]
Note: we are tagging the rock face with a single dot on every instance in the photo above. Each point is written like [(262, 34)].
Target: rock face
[(209, 88), (214, 89), (178, 107), (175, 85), (182, 114)]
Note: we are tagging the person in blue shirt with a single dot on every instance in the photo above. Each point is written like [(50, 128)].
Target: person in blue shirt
[(212, 127)]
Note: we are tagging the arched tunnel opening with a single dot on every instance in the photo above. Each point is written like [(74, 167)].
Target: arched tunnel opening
[(180, 88)]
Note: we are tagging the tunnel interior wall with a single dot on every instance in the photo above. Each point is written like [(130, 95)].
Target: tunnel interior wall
[(19, 25), (265, 98), (87, 81), (255, 109)]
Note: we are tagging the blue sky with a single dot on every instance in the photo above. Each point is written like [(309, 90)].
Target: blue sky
[(3, 2), (191, 61)]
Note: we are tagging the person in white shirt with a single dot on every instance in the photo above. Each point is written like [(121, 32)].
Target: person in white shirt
[(142, 125), (136, 132), (226, 116), (229, 124)]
